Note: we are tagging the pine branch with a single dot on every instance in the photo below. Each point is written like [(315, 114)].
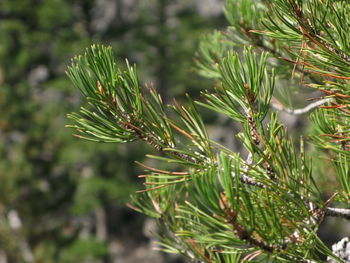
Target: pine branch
[(278, 106), (267, 202), (338, 212), (311, 33), (259, 42), (151, 140)]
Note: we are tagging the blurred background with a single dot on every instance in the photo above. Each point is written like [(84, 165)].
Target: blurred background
[(62, 199)]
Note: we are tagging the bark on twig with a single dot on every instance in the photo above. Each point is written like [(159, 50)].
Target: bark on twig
[(338, 212)]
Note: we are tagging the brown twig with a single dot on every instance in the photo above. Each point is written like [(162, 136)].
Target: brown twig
[(338, 212), (278, 106)]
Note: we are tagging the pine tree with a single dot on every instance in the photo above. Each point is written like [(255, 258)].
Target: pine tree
[(216, 205)]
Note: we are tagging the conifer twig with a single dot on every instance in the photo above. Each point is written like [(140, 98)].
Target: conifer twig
[(338, 212), (278, 106)]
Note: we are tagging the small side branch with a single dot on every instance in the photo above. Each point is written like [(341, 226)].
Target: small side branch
[(137, 128), (278, 106), (338, 212)]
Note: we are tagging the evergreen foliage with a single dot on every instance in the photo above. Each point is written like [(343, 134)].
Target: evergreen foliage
[(213, 204)]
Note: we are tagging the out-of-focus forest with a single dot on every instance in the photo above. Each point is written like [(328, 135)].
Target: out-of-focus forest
[(62, 199)]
